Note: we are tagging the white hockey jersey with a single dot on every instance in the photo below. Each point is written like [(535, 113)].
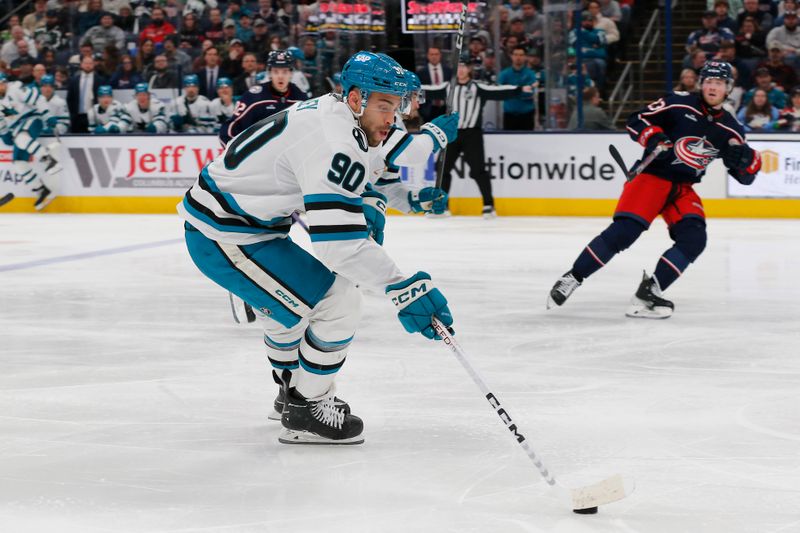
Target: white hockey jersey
[(19, 107), (153, 119), (57, 121), (222, 113), (192, 116), (312, 157), (115, 118)]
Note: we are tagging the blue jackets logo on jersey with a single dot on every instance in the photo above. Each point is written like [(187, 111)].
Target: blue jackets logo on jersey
[(695, 152)]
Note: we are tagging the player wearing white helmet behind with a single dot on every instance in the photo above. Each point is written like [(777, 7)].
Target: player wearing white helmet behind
[(147, 114), (313, 157), (108, 115), (191, 111), (23, 114)]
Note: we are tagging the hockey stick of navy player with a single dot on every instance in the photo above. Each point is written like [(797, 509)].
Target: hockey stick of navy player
[(6, 198), (639, 168), (582, 500), (459, 43)]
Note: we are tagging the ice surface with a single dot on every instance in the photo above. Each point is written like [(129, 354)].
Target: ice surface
[(131, 402)]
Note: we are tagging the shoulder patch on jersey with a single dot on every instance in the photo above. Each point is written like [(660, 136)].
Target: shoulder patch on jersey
[(255, 89), (361, 139), (682, 93)]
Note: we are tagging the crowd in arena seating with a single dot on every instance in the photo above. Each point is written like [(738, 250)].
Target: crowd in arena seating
[(760, 39), (123, 44)]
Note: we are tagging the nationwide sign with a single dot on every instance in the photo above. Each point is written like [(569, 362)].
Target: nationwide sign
[(421, 16)]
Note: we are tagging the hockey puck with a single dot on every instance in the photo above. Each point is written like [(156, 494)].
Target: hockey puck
[(588, 510)]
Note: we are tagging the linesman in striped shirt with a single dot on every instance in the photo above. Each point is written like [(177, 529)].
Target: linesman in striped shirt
[(469, 97)]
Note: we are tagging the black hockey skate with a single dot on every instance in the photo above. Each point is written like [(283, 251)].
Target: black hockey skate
[(562, 290), (648, 301), (45, 197), (318, 420), (277, 406)]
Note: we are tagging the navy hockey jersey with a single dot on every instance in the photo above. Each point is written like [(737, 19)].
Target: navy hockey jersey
[(698, 132), (259, 102)]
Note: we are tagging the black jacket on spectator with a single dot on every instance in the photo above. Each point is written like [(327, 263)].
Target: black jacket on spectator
[(78, 122), (433, 108), (201, 74)]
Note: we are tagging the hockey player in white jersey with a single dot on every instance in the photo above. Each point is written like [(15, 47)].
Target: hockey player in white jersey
[(223, 105), (57, 121), (191, 111), (313, 157), (147, 114), (108, 115), (23, 113)]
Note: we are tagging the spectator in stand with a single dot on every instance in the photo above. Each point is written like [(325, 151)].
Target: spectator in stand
[(603, 23), (126, 76), (764, 82), (532, 21), (611, 9), (178, 60), (517, 29), (268, 15), (733, 101), (518, 112), (111, 59), (62, 77), (514, 8), (10, 51), (50, 35), (727, 53), (259, 44), (213, 30), (105, 33), (160, 76), (210, 73), (90, 17), (191, 32), (288, 18), (784, 76), (235, 10), (82, 94), (48, 59), (115, 6), (434, 73), (786, 37), (229, 32), (85, 49), (509, 44), (244, 31), (783, 7), (751, 45), (724, 20), (22, 69), (763, 18), (232, 63), (758, 114), (688, 81), (789, 118), (593, 48), (594, 117), (39, 72), (247, 79), (476, 50), (488, 68), (710, 37), (158, 29), (310, 67), (734, 7), (145, 56), (23, 56), (126, 21), (37, 19)]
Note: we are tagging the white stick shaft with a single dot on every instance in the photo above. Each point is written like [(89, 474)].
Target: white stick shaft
[(451, 343)]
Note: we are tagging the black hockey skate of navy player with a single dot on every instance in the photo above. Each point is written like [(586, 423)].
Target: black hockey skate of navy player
[(315, 157), (693, 130)]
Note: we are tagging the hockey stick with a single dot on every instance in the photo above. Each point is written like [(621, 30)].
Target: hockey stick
[(641, 166), (6, 198), (450, 92), (582, 500)]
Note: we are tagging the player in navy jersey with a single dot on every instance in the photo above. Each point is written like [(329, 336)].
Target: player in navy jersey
[(692, 130), (265, 99)]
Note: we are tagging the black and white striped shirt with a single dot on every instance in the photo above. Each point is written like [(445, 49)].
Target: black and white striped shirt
[(469, 98)]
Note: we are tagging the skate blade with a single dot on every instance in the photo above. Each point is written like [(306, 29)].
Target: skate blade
[(291, 436), (274, 415), (550, 302), (642, 311)]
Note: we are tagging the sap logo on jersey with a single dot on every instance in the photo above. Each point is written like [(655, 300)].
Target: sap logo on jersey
[(695, 152)]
